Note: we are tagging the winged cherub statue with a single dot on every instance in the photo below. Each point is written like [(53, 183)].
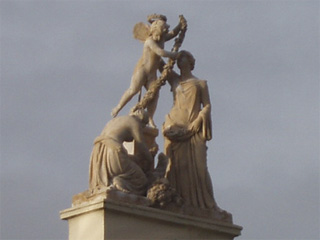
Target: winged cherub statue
[(145, 73)]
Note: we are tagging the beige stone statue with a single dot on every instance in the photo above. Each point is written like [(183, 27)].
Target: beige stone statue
[(181, 180), (124, 184), (145, 72), (110, 164), (186, 129)]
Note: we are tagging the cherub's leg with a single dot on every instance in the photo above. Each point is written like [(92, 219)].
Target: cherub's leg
[(137, 81), (151, 107)]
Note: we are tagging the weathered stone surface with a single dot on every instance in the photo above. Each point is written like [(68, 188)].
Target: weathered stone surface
[(111, 166), (108, 219), (128, 197), (145, 72)]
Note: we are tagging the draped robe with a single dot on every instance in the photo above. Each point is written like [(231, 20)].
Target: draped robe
[(110, 164), (186, 150)]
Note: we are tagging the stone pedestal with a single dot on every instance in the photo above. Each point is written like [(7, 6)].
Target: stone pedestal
[(108, 219)]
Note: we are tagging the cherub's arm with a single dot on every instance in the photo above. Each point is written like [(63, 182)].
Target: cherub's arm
[(159, 51), (174, 32), (182, 25)]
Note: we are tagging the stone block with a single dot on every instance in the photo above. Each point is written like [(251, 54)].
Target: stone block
[(106, 219)]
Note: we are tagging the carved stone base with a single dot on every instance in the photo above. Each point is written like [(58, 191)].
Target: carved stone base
[(101, 219), (87, 197)]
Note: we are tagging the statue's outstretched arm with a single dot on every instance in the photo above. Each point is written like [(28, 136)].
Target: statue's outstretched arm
[(174, 32), (159, 51)]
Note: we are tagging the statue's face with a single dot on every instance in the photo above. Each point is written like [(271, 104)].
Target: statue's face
[(160, 27), (164, 27), (182, 61), (185, 59)]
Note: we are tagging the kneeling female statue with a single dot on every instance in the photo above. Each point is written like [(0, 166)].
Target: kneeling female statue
[(110, 164)]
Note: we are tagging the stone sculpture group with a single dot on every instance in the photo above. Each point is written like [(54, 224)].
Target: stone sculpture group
[(122, 159)]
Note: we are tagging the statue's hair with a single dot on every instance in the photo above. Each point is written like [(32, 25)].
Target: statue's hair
[(154, 17), (141, 114), (155, 28), (189, 56)]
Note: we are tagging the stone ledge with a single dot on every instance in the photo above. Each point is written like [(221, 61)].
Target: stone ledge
[(154, 214)]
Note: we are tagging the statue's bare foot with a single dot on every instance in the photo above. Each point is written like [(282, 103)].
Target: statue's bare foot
[(114, 112), (151, 123)]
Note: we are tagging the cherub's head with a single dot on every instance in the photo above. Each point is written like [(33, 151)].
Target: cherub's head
[(158, 28), (185, 56)]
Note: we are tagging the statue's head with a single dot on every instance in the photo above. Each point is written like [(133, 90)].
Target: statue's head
[(186, 56), (154, 17), (142, 115), (158, 28)]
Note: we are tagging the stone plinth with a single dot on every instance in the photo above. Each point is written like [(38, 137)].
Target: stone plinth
[(108, 219)]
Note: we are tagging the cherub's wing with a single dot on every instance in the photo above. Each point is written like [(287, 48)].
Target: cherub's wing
[(141, 31)]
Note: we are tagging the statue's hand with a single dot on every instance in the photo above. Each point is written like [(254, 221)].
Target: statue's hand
[(196, 125), (174, 55), (182, 22)]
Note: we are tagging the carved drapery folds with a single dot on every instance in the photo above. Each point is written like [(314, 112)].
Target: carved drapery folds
[(122, 159)]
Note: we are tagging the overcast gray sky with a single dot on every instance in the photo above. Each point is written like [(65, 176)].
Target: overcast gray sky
[(65, 65)]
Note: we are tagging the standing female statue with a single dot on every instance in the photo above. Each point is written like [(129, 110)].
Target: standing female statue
[(186, 129)]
